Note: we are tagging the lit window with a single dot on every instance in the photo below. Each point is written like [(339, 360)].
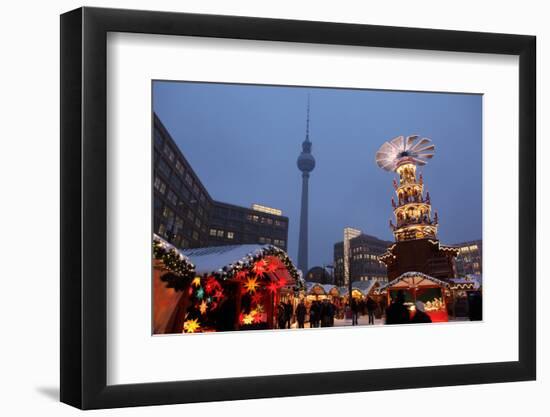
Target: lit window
[(230, 235), (220, 233), (213, 232), (167, 212), (179, 167), (162, 229), (168, 152), (172, 197), (189, 179), (159, 185)]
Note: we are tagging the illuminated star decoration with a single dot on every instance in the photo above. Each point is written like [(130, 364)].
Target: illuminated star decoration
[(196, 282), (257, 298), (248, 318), (251, 285), (273, 287), (271, 267), (191, 326), (203, 307), (257, 318), (212, 285), (259, 267), (241, 275), (200, 293), (259, 308)]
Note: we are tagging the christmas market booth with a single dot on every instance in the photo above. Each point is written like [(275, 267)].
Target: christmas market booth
[(466, 296), (361, 290), (236, 287), (172, 276), (317, 291), (418, 286)]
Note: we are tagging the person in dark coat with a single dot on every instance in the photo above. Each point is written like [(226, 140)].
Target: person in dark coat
[(371, 309), (354, 312), (289, 311), (474, 306), (333, 310), (326, 313), (281, 317), (397, 313), (301, 314), (314, 314), (420, 315)]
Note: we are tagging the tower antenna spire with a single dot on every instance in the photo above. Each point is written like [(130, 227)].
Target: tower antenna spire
[(307, 119)]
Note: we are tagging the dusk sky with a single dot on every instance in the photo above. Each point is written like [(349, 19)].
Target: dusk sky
[(243, 142)]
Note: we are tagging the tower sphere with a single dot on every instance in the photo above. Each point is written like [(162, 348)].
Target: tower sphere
[(306, 162)]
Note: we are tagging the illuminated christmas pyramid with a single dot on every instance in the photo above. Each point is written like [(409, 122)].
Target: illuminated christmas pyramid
[(416, 248)]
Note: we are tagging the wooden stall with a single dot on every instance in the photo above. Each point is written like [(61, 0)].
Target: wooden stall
[(418, 286)]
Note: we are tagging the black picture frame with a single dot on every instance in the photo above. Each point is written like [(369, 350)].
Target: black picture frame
[(84, 207)]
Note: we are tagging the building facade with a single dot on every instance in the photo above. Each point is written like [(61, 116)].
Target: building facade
[(365, 263), (469, 259), (230, 224), (181, 202), (187, 216), (360, 262), (349, 233), (339, 261)]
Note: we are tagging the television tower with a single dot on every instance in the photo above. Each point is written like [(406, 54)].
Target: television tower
[(306, 163)]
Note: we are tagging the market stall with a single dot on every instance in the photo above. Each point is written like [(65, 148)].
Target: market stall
[(417, 286), (172, 276), (466, 293), (238, 287)]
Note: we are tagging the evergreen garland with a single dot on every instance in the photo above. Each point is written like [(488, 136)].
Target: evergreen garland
[(246, 263), (180, 267)]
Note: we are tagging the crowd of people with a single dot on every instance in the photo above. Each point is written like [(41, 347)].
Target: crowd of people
[(362, 307), (321, 313)]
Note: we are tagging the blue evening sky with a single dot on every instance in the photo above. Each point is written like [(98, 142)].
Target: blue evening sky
[(243, 142)]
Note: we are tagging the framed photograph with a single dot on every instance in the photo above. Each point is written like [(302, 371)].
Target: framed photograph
[(257, 208)]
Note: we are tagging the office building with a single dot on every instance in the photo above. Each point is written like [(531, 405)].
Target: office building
[(469, 260), (186, 215)]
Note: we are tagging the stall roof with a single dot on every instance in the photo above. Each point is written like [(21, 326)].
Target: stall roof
[(169, 246), (412, 276), (364, 286), (214, 258), (472, 281)]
